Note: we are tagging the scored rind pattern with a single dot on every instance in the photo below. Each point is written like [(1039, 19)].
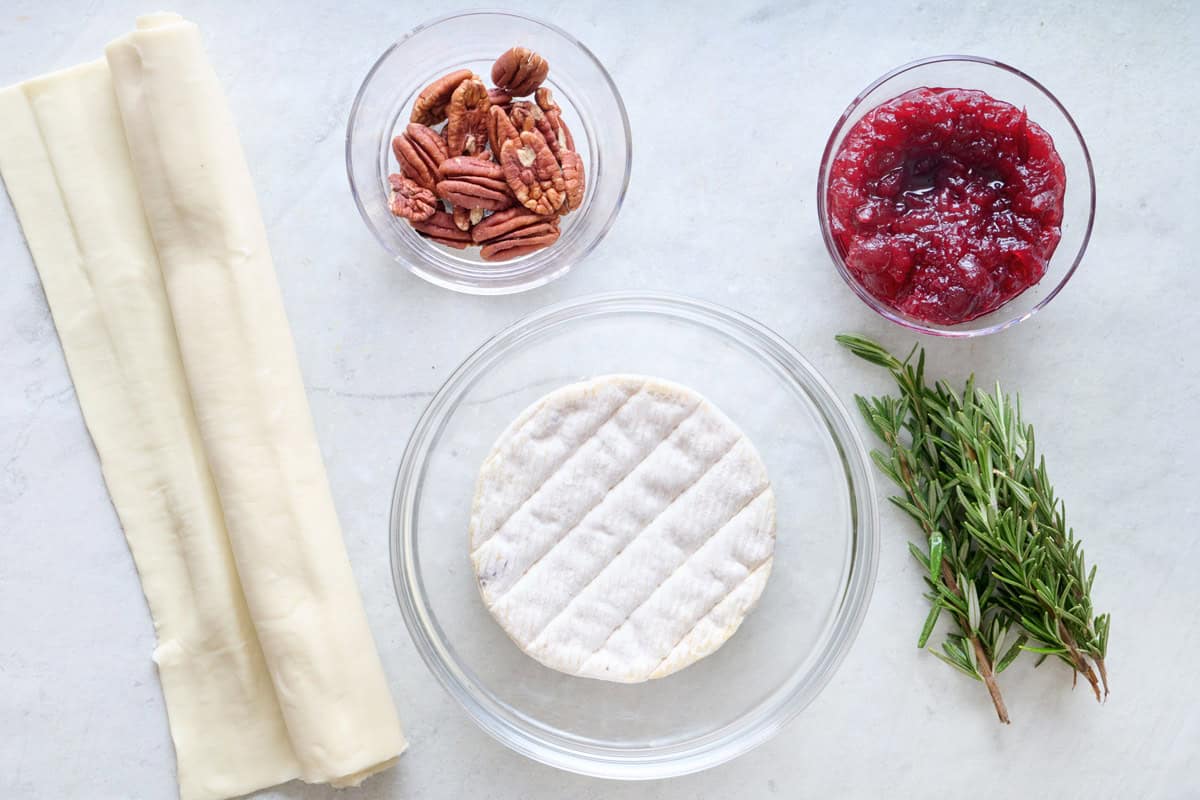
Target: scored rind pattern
[(622, 528)]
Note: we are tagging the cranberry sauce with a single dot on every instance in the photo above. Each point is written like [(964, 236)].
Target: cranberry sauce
[(946, 203)]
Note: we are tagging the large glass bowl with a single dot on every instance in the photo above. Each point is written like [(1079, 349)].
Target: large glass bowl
[(1012, 86), (788, 647), (591, 107)]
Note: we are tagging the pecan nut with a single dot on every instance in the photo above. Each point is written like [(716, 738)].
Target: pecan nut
[(467, 129), (500, 129), (420, 151), (551, 125), (572, 170), (467, 218), (441, 228), (524, 115), (430, 105), (410, 200), (515, 232), (474, 183), (533, 173), (519, 71), (502, 223), (505, 249), (545, 100)]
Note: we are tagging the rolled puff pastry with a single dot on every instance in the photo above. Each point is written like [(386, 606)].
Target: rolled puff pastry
[(135, 200), (61, 141), (240, 364)]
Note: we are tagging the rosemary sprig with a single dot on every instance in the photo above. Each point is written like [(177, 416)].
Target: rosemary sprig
[(999, 554)]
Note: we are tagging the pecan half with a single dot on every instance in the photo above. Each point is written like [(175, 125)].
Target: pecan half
[(533, 173), (466, 218), (467, 129), (505, 249), (524, 115), (499, 97), (500, 129), (503, 223), (551, 133), (551, 125), (473, 183), (545, 100), (410, 200), (519, 71), (515, 232), (572, 169), (441, 228), (430, 106), (565, 134), (420, 150)]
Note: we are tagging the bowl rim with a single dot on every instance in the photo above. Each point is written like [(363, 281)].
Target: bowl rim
[(527, 736), (831, 246), (554, 268)]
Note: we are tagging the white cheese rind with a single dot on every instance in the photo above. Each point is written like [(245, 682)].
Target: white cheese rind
[(622, 528)]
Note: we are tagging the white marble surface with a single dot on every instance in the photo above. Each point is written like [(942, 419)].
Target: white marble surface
[(730, 105)]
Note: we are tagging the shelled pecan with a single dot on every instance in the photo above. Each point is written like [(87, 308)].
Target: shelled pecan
[(551, 124), (533, 173), (502, 223), (505, 168), (524, 115), (519, 71), (473, 183), (500, 129), (466, 218), (545, 100), (410, 200), (506, 249), (440, 228), (515, 232), (572, 170), (430, 106), (467, 118), (420, 151)]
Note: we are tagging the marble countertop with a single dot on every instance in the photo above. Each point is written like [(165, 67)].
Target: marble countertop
[(1106, 372)]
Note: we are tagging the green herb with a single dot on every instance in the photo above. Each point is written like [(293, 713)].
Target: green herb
[(999, 555)]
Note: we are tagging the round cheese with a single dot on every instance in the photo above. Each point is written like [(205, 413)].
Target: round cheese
[(622, 528)]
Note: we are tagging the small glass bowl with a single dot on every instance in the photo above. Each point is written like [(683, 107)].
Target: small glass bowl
[(788, 647), (592, 109), (1012, 86)]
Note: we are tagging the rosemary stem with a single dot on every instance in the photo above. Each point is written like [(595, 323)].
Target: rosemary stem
[(999, 552), (1081, 663), (947, 575), (985, 664)]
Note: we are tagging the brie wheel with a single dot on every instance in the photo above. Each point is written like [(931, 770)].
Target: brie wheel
[(622, 528)]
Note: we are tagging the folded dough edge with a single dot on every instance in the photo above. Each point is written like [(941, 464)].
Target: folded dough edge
[(252, 411), (61, 139), (263, 682)]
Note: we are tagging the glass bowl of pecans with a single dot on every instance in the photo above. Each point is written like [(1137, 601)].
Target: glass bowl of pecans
[(488, 152)]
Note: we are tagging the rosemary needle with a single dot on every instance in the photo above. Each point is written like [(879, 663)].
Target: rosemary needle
[(999, 555)]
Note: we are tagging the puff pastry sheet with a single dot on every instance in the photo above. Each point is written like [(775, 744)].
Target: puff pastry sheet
[(130, 184)]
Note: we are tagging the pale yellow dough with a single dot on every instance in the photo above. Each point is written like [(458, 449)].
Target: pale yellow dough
[(129, 181)]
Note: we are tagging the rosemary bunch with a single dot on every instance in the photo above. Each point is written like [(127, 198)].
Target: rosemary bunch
[(999, 555)]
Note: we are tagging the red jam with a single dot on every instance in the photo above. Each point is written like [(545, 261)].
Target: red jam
[(946, 203)]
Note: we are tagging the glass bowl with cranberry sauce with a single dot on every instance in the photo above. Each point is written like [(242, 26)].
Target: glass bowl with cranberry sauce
[(956, 196)]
